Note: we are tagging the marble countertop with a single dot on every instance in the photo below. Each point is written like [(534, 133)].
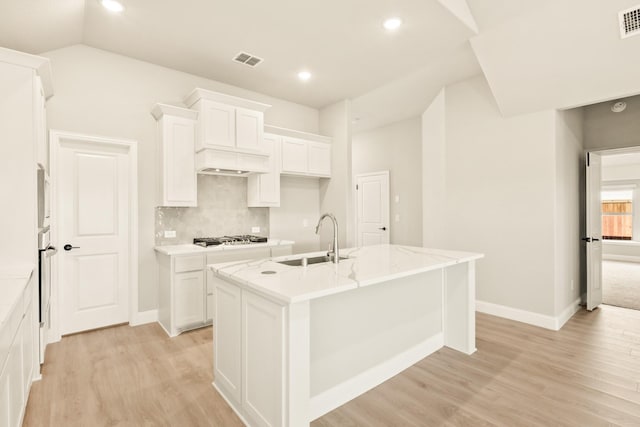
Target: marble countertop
[(365, 266), (188, 248), (13, 280)]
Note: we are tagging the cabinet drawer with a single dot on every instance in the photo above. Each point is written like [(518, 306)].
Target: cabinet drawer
[(189, 263), (238, 255)]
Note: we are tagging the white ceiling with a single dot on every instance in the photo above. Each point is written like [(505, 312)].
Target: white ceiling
[(535, 54)]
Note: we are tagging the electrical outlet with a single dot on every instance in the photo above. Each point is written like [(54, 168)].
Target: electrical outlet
[(305, 222), (397, 218), (169, 234), (255, 229), (397, 199)]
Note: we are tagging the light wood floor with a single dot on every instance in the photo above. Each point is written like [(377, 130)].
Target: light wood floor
[(587, 374)]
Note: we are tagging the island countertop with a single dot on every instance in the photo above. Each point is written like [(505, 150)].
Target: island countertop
[(365, 266)]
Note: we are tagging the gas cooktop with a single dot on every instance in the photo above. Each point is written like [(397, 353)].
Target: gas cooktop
[(244, 239)]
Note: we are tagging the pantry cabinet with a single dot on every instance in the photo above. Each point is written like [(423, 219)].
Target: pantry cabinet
[(177, 184), (263, 190), (227, 122)]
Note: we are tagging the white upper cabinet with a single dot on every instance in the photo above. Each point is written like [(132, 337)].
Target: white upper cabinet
[(319, 158), (249, 129), (306, 158), (294, 156), (176, 141), (263, 190), (217, 126), (227, 122)]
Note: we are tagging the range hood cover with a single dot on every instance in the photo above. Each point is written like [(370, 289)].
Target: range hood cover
[(214, 161)]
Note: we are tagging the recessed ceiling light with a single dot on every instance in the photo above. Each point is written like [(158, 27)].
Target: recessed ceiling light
[(304, 75), (112, 5), (619, 107), (392, 24)]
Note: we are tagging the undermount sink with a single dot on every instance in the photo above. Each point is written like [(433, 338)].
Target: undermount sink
[(312, 260)]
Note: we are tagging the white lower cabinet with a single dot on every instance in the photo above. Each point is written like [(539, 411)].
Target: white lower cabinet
[(189, 302), (228, 341), (252, 375), (17, 364), (186, 298), (262, 361)]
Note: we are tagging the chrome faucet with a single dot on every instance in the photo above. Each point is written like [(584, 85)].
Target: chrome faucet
[(334, 250)]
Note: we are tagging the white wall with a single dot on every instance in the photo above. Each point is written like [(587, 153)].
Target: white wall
[(101, 93), (336, 193), (434, 173), (396, 148), (298, 213), (499, 187), (569, 170)]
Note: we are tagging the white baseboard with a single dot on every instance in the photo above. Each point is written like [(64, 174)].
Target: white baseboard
[(353, 387), (529, 317), (566, 314), (144, 317), (627, 258)]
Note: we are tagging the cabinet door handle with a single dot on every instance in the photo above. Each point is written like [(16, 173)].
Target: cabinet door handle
[(68, 247), (382, 228)]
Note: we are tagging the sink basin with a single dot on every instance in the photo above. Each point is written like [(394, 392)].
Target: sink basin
[(312, 260)]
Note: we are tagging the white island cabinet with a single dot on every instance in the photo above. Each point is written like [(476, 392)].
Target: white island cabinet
[(292, 343)]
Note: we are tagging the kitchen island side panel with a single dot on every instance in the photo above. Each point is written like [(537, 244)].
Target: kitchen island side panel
[(356, 331)]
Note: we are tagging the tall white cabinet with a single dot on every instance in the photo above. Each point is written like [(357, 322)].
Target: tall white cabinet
[(25, 84), (177, 185)]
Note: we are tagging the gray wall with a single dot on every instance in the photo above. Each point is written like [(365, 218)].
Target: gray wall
[(569, 184), (101, 93), (606, 129), (298, 213), (396, 148), (222, 210)]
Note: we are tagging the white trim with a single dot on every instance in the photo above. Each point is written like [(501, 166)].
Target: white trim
[(608, 242), (41, 65), (529, 317), (566, 314), (144, 317), (55, 137), (231, 404), (614, 257), (354, 387)]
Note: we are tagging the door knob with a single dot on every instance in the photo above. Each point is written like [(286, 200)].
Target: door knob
[(68, 247), (382, 228)]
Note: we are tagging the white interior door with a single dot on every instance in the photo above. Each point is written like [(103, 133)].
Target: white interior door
[(594, 231), (372, 192), (93, 219)]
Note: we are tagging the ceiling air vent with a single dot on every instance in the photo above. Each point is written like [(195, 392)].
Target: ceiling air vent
[(630, 22), (247, 59)]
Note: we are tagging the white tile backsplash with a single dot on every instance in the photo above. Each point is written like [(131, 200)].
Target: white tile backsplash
[(222, 210)]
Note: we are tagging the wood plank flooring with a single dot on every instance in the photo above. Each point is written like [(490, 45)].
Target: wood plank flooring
[(587, 374)]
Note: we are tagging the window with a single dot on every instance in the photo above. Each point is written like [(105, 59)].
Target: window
[(617, 214)]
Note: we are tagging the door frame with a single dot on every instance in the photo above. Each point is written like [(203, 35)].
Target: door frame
[(56, 137), (603, 152), (355, 202)]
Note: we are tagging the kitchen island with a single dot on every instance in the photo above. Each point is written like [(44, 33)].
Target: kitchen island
[(292, 343)]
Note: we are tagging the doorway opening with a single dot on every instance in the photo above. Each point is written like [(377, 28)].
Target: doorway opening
[(620, 207)]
